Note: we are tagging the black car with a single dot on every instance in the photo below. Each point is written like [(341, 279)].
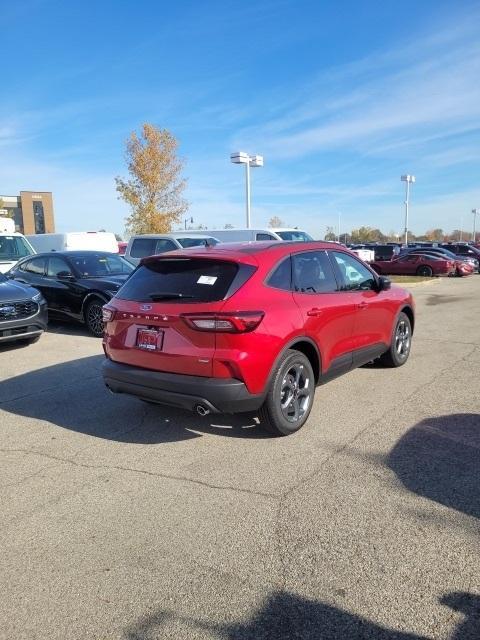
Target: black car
[(23, 312), (463, 250), (76, 284)]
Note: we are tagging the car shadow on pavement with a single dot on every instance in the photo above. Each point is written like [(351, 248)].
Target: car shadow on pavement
[(72, 395), (286, 616), (69, 329), (439, 459)]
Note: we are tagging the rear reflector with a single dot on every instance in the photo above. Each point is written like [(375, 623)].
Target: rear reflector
[(240, 322)]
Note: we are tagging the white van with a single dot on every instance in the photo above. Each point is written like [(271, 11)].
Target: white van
[(74, 241), (141, 246), (255, 235), (13, 246)]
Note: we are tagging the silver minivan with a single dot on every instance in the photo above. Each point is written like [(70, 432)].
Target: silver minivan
[(141, 246)]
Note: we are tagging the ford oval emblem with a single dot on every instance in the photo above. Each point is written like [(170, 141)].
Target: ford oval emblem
[(145, 307)]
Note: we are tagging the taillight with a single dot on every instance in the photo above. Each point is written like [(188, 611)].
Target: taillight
[(241, 322), (108, 314)]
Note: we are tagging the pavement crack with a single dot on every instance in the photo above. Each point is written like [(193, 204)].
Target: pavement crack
[(155, 474)]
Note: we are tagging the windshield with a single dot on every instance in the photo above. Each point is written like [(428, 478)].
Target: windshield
[(14, 248), (196, 242), (101, 265), (294, 236)]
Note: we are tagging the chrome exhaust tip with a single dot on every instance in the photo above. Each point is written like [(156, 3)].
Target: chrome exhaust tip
[(201, 410)]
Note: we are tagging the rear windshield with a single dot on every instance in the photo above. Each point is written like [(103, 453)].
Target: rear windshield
[(14, 248), (180, 280), (196, 242)]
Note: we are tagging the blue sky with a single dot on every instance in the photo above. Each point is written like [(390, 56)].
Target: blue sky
[(340, 98)]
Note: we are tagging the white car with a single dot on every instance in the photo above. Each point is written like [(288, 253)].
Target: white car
[(13, 246)]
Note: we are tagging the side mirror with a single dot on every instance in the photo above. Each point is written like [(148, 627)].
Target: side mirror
[(384, 283), (64, 275)]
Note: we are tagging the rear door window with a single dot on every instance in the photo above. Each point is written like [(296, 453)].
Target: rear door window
[(164, 245), (196, 242), (181, 280), (36, 266), (264, 236), (57, 266), (143, 247), (313, 273)]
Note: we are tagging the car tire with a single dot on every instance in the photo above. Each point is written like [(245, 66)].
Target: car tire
[(425, 271), (290, 395), (399, 350), (93, 317)]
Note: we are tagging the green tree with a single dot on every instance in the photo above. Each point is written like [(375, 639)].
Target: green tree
[(154, 188)]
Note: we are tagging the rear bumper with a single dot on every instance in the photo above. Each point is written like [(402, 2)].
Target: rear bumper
[(217, 395)]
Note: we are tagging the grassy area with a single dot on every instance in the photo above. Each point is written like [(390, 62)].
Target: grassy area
[(409, 279)]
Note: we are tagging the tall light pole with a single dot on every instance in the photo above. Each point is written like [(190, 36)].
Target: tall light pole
[(475, 214), (339, 214), (408, 179), (240, 157)]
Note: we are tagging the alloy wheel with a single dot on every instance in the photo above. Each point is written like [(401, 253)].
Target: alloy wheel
[(402, 340), (95, 319), (295, 393)]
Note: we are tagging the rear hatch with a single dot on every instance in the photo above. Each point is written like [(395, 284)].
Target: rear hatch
[(149, 328)]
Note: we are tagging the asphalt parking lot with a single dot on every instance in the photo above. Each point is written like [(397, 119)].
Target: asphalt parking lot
[(122, 520)]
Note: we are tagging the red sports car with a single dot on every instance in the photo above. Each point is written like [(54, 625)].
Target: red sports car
[(416, 264)]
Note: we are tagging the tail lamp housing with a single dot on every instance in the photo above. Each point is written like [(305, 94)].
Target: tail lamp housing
[(236, 322)]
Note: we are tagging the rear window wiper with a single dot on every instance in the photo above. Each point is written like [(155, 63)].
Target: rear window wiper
[(168, 296)]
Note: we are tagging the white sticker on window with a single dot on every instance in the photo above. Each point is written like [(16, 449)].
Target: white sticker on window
[(207, 280)]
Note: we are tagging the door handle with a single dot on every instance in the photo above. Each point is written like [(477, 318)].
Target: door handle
[(315, 312), (362, 305)]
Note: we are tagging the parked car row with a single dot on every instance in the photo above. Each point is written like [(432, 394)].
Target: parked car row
[(465, 252), (74, 275)]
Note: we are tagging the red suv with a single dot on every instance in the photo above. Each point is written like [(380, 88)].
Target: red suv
[(247, 327)]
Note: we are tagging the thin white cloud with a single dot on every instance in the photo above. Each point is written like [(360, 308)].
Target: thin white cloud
[(439, 91)]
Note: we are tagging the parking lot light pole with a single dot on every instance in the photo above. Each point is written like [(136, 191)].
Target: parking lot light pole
[(240, 157), (408, 179), (475, 214)]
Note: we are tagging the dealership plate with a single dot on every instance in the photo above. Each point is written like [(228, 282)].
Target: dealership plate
[(149, 339)]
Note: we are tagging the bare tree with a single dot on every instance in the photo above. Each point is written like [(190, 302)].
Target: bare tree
[(276, 222)]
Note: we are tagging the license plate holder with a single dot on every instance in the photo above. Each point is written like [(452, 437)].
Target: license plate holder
[(150, 339)]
